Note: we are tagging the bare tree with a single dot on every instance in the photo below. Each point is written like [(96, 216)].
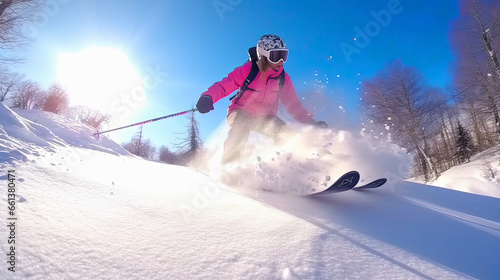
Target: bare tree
[(166, 155), (487, 18), (140, 147), (57, 99), (144, 148), (488, 169), (440, 119), (398, 100), (475, 36), (87, 115), (14, 16), (28, 95), (8, 81)]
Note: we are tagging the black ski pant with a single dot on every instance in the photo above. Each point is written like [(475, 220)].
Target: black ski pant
[(242, 124)]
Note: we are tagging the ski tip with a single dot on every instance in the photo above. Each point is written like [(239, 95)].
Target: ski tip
[(375, 184), (344, 183), (348, 180)]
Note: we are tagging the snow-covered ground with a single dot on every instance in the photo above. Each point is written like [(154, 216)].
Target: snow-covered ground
[(480, 176), (86, 209)]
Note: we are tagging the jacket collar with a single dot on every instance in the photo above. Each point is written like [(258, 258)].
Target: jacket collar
[(273, 74)]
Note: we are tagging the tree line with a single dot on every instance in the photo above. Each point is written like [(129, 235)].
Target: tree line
[(187, 150), (29, 95), (439, 130)]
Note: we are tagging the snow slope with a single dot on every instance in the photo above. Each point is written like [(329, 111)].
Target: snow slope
[(86, 209), (480, 176)]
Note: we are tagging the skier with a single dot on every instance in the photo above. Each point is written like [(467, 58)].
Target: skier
[(256, 104)]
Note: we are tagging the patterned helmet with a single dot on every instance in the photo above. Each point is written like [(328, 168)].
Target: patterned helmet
[(269, 42)]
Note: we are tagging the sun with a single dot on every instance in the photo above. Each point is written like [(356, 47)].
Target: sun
[(99, 77)]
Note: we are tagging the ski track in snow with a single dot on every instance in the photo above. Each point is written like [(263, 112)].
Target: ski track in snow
[(380, 230), (477, 222), (382, 251)]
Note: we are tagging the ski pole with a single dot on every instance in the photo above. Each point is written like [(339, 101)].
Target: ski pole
[(145, 122)]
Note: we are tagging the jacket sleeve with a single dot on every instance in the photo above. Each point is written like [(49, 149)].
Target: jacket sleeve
[(288, 96), (232, 82)]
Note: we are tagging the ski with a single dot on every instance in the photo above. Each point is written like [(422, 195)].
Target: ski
[(375, 184), (344, 183)]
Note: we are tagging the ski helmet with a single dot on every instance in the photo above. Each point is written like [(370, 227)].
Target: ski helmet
[(269, 42), (272, 47)]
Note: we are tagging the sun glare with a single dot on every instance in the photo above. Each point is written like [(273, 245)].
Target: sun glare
[(98, 77)]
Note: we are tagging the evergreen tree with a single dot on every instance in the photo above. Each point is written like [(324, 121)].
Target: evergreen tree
[(464, 144), (192, 144)]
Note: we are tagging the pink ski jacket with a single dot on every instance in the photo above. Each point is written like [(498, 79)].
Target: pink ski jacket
[(261, 98)]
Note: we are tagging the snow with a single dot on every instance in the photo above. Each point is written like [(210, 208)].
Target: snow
[(86, 209), (310, 160), (480, 176)]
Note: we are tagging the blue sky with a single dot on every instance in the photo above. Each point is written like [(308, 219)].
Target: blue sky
[(182, 47)]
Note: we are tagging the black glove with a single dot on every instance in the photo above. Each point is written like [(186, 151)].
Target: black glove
[(321, 124), (205, 104)]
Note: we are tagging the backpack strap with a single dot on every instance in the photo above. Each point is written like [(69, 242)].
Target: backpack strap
[(252, 56), (282, 78)]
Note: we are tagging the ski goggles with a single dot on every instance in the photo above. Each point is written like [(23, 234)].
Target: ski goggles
[(275, 55)]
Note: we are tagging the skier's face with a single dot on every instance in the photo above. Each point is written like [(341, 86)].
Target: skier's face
[(275, 66)]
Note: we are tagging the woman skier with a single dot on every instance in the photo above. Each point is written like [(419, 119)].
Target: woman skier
[(256, 104)]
